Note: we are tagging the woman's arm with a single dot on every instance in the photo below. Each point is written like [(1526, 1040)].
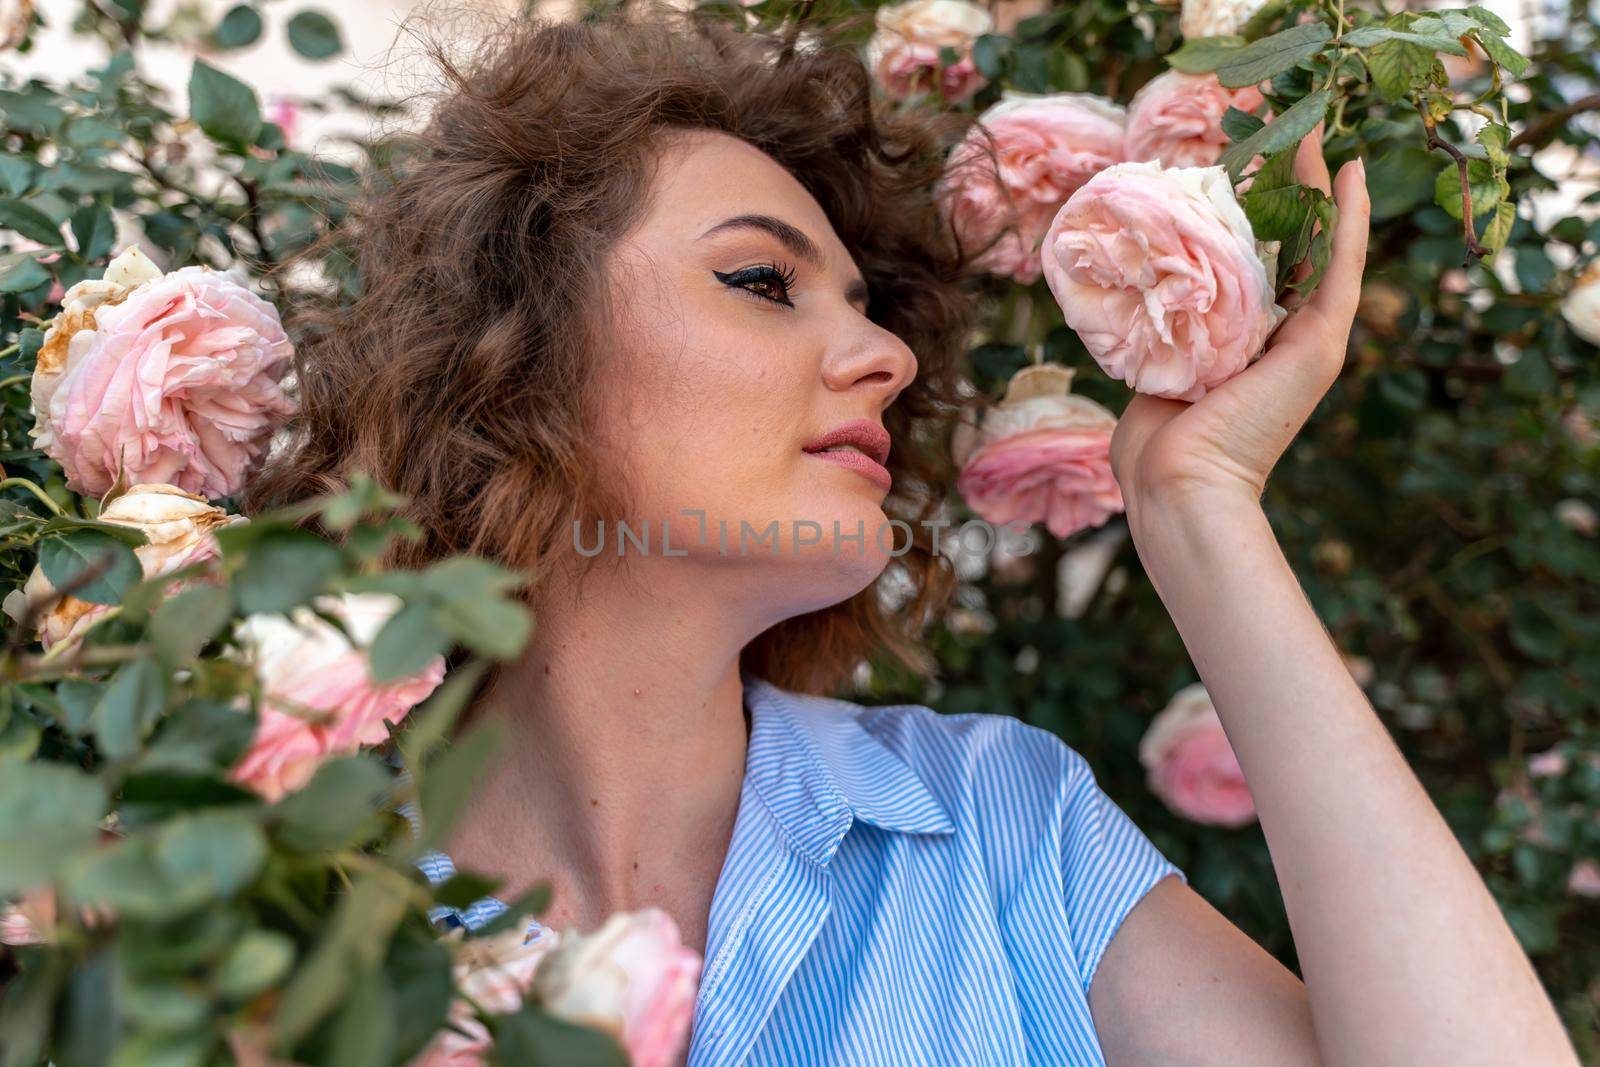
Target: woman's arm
[(1406, 957)]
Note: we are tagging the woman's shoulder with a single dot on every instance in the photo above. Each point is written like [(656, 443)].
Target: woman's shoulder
[(987, 757)]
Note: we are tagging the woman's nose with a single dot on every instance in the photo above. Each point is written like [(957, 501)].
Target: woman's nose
[(873, 359)]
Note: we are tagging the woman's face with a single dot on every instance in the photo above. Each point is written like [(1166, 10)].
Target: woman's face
[(743, 344)]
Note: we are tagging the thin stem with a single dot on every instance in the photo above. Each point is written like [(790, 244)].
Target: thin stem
[(23, 483), (15, 379), (1467, 230)]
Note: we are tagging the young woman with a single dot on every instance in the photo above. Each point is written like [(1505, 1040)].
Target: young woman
[(664, 273)]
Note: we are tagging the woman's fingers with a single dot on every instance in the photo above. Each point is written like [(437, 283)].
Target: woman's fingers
[(1309, 166), (1336, 297)]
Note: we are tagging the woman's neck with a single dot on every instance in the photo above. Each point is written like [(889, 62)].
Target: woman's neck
[(622, 752)]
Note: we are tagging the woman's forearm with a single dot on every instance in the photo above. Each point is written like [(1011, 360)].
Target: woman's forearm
[(1406, 957)]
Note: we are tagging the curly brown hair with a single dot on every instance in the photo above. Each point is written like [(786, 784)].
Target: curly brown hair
[(462, 374)]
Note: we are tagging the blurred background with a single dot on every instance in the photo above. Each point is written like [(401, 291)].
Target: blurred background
[(1442, 508)]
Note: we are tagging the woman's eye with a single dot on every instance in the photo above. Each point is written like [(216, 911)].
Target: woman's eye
[(768, 281)]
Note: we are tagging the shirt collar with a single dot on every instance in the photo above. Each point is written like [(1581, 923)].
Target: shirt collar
[(812, 755)]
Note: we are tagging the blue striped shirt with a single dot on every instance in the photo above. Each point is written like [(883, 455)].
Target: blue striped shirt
[(905, 887)]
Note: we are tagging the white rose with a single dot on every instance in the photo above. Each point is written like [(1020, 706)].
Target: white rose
[(632, 978), (1216, 18)]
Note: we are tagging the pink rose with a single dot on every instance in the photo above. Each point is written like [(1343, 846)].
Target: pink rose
[(179, 530), (495, 973), (1158, 272), (1046, 146), (903, 53), (1176, 118), (286, 113), (1584, 879), (176, 377), (1216, 18), (318, 699), (1041, 455), (1190, 764), (632, 978)]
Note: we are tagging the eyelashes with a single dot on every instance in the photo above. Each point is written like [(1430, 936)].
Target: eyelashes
[(765, 274)]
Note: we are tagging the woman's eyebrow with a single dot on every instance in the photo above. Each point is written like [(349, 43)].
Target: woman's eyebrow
[(794, 239)]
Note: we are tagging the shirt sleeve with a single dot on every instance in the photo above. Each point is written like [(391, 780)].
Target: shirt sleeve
[(1107, 863)]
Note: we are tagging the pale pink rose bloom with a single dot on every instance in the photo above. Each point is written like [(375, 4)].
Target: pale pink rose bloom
[(632, 978), (903, 53), (1584, 881), (1551, 763), (1577, 516), (286, 113), (1581, 306), (176, 377), (1190, 764), (1046, 146), (1041, 455), (1158, 272), (495, 972), (30, 920), (1176, 118), (318, 699), (179, 530)]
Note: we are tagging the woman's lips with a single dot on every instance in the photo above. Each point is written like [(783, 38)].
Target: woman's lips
[(861, 464)]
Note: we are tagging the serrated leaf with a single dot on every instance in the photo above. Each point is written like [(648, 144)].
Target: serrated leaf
[(183, 624), (1485, 188), (1368, 36), (1271, 56), (30, 222), (20, 271), (1240, 124), (1489, 20), (1494, 138), (1283, 132), (129, 707), (1201, 55), (1277, 214), (1398, 67), (1509, 59), (1499, 229), (66, 560)]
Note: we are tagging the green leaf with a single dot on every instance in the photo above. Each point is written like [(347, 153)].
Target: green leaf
[(199, 737), (495, 628), (183, 624), (336, 809), (124, 876), (20, 271), (1201, 55), (213, 854), (408, 642), (430, 724), (254, 964), (1511, 60), (313, 35), (1283, 132), (1489, 20), (83, 1038), (16, 174), (1398, 67), (66, 560), (449, 779), (47, 811), (95, 231), (989, 54), (284, 569), (223, 106), (27, 1009), (129, 707), (1277, 214), (239, 28), (1367, 36), (1483, 185), (31, 223), (1240, 124), (1271, 56), (463, 890), (1498, 231), (532, 1038), (358, 934)]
